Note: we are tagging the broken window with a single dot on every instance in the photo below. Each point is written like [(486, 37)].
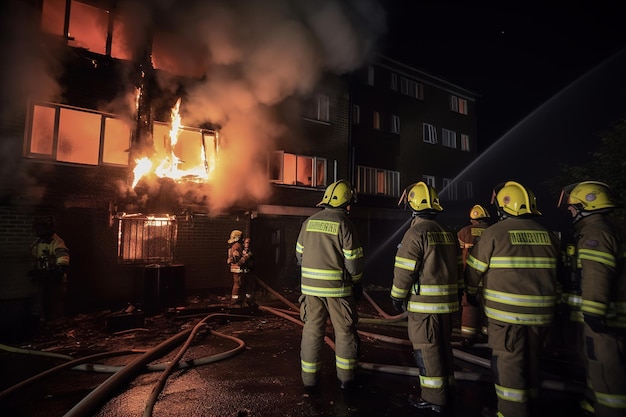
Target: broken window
[(87, 27)]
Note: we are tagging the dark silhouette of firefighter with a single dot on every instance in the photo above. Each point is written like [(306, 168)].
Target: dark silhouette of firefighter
[(426, 283), (51, 260), (248, 278), (599, 271), (516, 260), (471, 317), (330, 254)]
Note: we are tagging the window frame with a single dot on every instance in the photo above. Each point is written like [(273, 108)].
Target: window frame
[(450, 188), (430, 180), (429, 133), (465, 142), (448, 138), (458, 104), (276, 161), (53, 155), (395, 124), (377, 181)]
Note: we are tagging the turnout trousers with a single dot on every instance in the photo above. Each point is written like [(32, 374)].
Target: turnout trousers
[(515, 366), (314, 312), (606, 370), (431, 335)]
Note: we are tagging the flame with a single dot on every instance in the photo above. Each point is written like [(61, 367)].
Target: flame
[(167, 164), (142, 167)]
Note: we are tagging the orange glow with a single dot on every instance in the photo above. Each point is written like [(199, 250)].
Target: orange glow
[(181, 155)]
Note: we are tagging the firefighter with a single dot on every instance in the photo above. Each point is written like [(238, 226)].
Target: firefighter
[(471, 320), (330, 254), (247, 275), (234, 261), (516, 260), (51, 260), (427, 275), (599, 254)]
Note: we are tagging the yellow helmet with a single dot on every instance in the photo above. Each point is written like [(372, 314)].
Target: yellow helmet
[(514, 199), (235, 236), (588, 196), (338, 194), (421, 196), (478, 212)]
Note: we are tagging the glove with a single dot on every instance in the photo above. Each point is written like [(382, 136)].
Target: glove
[(398, 305), (595, 322), (472, 299), (357, 291)]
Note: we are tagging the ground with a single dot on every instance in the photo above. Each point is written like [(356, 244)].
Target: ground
[(242, 362)]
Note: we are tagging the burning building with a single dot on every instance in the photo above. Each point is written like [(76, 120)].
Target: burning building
[(150, 131)]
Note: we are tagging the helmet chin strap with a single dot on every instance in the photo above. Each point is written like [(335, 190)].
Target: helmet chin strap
[(501, 213)]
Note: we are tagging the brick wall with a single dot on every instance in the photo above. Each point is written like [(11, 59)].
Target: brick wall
[(16, 238)]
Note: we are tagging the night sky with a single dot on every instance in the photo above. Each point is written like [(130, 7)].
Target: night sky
[(549, 77)]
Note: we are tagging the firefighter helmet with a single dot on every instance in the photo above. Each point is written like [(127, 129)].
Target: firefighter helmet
[(420, 197), (588, 196), (235, 236), (338, 194), (478, 212), (514, 199)]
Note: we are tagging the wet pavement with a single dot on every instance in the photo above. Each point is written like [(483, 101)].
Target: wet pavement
[(242, 362)]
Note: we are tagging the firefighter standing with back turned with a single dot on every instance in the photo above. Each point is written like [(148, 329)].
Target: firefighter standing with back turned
[(471, 319), (428, 272), (516, 259), (600, 256), (331, 257)]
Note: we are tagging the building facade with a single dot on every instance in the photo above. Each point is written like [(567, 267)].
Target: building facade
[(148, 154)]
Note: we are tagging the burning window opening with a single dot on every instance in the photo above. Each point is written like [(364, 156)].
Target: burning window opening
[(180, 153), (146, 239)]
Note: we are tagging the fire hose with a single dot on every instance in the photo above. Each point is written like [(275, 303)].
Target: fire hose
[(124, 373)]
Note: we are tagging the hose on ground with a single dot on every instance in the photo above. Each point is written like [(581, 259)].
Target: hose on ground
[(71, 364), (97, 397), (175, 362)]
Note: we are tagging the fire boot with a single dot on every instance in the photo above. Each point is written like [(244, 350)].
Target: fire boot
[(421, 404)]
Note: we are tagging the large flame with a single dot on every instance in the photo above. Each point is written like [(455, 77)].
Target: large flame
[(166, 163)]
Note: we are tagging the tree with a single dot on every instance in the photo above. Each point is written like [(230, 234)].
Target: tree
[(607, 164)]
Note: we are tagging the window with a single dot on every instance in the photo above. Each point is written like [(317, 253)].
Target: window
[(411, 88), (450, 189), (448, 138), (378, 181), (323, 108), (430, 133), (88, 27), (356, 114), (376, 117), (458, 104), (394, 82), (292, 169), (194, 152), (370, 75), (430, 180), (465, 143), (395, 124), (318, 108), (65, 134)]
